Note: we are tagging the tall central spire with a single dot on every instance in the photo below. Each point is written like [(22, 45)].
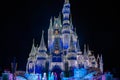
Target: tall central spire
[(66, 13)]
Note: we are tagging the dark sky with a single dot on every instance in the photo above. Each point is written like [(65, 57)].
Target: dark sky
[(96, 22)]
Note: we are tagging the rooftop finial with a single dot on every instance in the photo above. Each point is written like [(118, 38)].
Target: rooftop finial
[(66, 1)]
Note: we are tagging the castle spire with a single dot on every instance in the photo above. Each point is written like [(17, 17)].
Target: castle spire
[(98, 57), (33, 50), (85, 51), (60, 23), (59, 16), (72, 46), (101, 59), (88, 50), (42, 46), (50, 26), (78, 46), (71, 24), (75, 32), (66, 13)]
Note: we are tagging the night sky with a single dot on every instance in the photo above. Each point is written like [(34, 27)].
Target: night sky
[(96, 23)]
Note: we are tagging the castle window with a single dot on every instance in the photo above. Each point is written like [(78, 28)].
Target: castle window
[(56, 51), (56, 32)]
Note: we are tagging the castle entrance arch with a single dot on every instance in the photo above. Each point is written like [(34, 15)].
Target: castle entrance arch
[(57, 70)]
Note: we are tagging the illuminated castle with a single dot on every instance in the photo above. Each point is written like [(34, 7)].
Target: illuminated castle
[(63, 48)]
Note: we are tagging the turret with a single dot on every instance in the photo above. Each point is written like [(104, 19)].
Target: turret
[(33, 50), (78, 47), (71, 24), (101, 63), (60, 23), (56, 24), (66, 13), (75, 37), (88, 51), (50, 35), (41, 56), (30, 67)]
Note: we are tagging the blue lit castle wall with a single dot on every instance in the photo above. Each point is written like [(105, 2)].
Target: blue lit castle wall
[(63, 53)]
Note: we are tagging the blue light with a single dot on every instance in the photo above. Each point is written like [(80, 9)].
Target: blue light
[(66, 46), (80, 72), (65, 31), (32, 76), (38, 69), (20, 78), (90, 75)]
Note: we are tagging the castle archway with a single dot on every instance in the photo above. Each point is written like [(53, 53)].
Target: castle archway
[(56, 69)]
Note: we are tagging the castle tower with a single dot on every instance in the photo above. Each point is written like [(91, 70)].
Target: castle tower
[(72, 47), (72, 55), (30, 67), (41, 56), (78, 48), (50, 36), (42, 48), (85, 51), (66, 25)]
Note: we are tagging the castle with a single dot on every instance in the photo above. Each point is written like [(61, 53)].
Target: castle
[(63, 51)]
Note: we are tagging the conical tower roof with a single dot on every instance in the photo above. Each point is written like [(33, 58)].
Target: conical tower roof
[(42, 47), (33, 50)]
